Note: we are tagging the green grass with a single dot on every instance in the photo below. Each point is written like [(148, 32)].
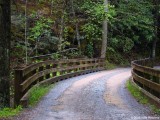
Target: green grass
[(37, 93), (143, 99), (137, 93), (9, 112), (110, 66), (35, 96)]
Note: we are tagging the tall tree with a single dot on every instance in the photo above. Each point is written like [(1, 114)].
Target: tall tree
[(104, 36), (62, 25), (5, 23), (156, 4), (76, 25)]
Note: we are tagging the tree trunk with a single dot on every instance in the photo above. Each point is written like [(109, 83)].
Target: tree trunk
[(104, 40), (5, 23), (105, 32), (154, 48), (61, 33), (26, 40), (78, 36), (156, 26), (76, 25), (52, 7)]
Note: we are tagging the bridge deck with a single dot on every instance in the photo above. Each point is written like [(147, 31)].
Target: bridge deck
[(96, 96)]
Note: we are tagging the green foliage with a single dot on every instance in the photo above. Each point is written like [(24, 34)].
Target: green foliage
[(41, 27), (58, 74), (56, 56), (131, 25), (9, 112), (95, 10), (37, 93), (92, 31), (116, 58), (89, 50), (96, 14), (109, 65), (155, 109), (128, 45), (64, 44), (41, 36), (74, 54)]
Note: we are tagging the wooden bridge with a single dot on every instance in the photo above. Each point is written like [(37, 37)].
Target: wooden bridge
[(147, 78), (51, 71)]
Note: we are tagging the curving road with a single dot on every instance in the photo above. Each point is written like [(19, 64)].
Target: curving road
[(96, 96)]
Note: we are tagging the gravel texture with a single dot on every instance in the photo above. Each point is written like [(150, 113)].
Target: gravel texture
[(96, 96)]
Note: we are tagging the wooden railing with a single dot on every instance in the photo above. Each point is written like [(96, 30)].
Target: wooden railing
[(49, 72), (146, 77)]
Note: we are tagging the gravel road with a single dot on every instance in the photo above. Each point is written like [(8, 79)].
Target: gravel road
[(96, 96)]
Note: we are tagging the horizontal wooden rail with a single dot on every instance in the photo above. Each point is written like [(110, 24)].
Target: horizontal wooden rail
[(48, 72), (146, 77), (148, 83)]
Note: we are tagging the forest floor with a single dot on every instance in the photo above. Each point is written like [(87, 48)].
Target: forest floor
[(96, 96)]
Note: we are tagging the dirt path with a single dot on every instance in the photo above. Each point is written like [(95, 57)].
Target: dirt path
[(96, 96)]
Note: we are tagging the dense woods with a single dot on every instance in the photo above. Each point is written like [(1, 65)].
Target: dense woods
[(76, 29)]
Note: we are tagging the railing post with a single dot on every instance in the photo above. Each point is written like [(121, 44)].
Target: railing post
[(95, 66), (54, 74), (86, 63), (17, 88), (59, 67), (99, 64), (48, 75), (81, 63), (32, 73), (77, 69), (89, 62), (73, 65), (41, 69), (63, 65), (66, 65)]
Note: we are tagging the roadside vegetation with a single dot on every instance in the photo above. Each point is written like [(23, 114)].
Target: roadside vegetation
[(110, 65), (37, 93), (9, 112), (140, 97)]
